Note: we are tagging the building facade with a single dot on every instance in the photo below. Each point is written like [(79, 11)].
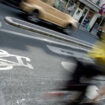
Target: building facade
[(86, 12), (92, 18)]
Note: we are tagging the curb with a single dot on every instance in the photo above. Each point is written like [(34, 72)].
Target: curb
[(29, 28)]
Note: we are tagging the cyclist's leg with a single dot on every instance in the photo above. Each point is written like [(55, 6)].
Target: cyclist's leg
[(78, 72), (74, 78)]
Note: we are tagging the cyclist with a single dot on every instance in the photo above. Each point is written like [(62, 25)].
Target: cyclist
[(87, 70)]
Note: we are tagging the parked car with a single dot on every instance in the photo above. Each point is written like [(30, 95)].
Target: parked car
[(42, 10)]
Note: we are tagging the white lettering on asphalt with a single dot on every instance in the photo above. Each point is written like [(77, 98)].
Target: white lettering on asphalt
[(6, 64)]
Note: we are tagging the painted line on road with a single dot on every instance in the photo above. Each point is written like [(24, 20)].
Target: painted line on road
[(70, 53), (19, 25), (44, 40), (0, 24)]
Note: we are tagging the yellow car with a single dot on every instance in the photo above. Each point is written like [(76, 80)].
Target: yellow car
[(41, 9)]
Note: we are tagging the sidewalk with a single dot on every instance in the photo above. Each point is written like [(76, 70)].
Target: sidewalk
[(93, 31), (84, 35)]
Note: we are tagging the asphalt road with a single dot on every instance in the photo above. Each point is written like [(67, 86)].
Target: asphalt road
[(27, 67)]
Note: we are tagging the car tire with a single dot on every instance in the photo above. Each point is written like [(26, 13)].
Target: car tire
[(33, 17), (68, 30)]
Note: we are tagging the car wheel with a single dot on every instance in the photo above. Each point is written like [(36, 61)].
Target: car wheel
[(33, 17), (68, 30)]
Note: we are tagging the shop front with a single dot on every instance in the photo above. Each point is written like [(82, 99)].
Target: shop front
[(86, 23), (84, 12)]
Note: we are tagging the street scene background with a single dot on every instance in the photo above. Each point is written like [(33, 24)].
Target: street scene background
[(32, 64)]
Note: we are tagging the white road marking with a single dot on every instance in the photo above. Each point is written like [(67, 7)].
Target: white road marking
[(43, 39), (70, 53), (9, 64), (12, 21), (68, 65)]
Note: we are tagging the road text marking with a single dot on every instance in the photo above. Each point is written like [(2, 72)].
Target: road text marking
[(14, 60)]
